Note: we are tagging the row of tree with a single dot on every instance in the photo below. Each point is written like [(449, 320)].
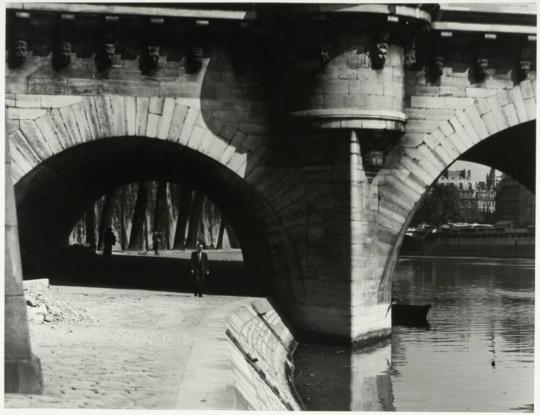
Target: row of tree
[(443, 204), (180, 215)]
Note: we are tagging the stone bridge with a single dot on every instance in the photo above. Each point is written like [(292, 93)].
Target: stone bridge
[(317, 129)]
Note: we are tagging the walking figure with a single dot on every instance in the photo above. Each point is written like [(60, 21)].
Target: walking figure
[(109, 239), (199, 268), (156, 239)]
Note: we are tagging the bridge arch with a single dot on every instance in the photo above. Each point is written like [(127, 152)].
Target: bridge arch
[(66, 156), (61, 122), (411, 170)]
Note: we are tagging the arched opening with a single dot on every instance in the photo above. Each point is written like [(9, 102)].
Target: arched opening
[(511, 151), (479, 280), (53, 197)]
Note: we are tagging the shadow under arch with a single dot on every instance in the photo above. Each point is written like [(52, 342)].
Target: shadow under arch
[(56, 193), (511, 151)]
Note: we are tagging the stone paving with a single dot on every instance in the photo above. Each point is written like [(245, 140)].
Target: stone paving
[(132, 355)]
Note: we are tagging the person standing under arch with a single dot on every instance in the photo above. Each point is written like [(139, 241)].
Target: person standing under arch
[(156, 240), (109, 239), (199, 268)]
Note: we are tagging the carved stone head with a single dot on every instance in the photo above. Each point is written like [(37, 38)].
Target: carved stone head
[(108, 51), (19, 50), (105, 56), (524, 69), (482, 64), (194, 59), (438, 62), (410, 58), (379, 54), (62, 55), (324, 53), (152, 54)]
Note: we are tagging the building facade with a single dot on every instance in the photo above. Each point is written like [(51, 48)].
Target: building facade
[(514, 203), (477, 198)]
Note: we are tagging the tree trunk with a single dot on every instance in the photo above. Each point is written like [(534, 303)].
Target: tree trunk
[(122, 214), (106, 216), (90, 225), (184, 210), (194, 220), (136, 239), (145, 234), (209, 222), (219, 244), (232, 236), (161, 215)]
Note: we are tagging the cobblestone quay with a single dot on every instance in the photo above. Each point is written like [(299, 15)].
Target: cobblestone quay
[(131, 352)]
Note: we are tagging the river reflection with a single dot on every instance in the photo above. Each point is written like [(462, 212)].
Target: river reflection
[(477, 355)]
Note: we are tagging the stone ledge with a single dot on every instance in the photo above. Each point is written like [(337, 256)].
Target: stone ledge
[(261, 350), (353, 118), (131, 10), (240, 360), (402, 10)]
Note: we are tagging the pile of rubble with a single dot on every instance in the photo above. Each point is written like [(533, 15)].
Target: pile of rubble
[(44, 308)]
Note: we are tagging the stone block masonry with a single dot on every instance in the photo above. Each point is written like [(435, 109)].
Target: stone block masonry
[(158, 350), (266, 117), (22, 369), (261, 352), (243, 358)]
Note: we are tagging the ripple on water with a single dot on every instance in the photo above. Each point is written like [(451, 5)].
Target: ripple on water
[(482, 312)]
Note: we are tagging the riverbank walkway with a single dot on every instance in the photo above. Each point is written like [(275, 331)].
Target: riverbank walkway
[(134, 349)]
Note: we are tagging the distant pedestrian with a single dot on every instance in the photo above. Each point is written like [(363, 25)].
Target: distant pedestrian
[(109, 239), (156, 240), (199, 269)]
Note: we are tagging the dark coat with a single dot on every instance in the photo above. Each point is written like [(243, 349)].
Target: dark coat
[(109, 239), (199, 268), (156, 239)]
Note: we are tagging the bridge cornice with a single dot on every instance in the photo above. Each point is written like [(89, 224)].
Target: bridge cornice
[(132, 10), (446, 18), (353, 118)]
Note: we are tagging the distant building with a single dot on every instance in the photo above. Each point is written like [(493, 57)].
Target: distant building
[(514, 203), (460, 178), (477, 198), (492, 180)]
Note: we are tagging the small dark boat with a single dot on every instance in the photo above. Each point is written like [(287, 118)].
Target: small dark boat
[(410, 315)]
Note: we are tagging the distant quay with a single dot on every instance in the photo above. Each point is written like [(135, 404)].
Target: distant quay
[(514, 243)]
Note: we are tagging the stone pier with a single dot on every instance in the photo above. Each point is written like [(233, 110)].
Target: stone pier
[(22, 370)]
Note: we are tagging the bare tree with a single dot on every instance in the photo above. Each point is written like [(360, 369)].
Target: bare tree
[(184, 210), (139, 218), (161, 215), (90, 226), (194, 220), (106, 216)]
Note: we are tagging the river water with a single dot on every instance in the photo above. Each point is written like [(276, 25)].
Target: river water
[(477, 354)]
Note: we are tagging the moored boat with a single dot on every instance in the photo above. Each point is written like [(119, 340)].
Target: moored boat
[(409, 314)]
